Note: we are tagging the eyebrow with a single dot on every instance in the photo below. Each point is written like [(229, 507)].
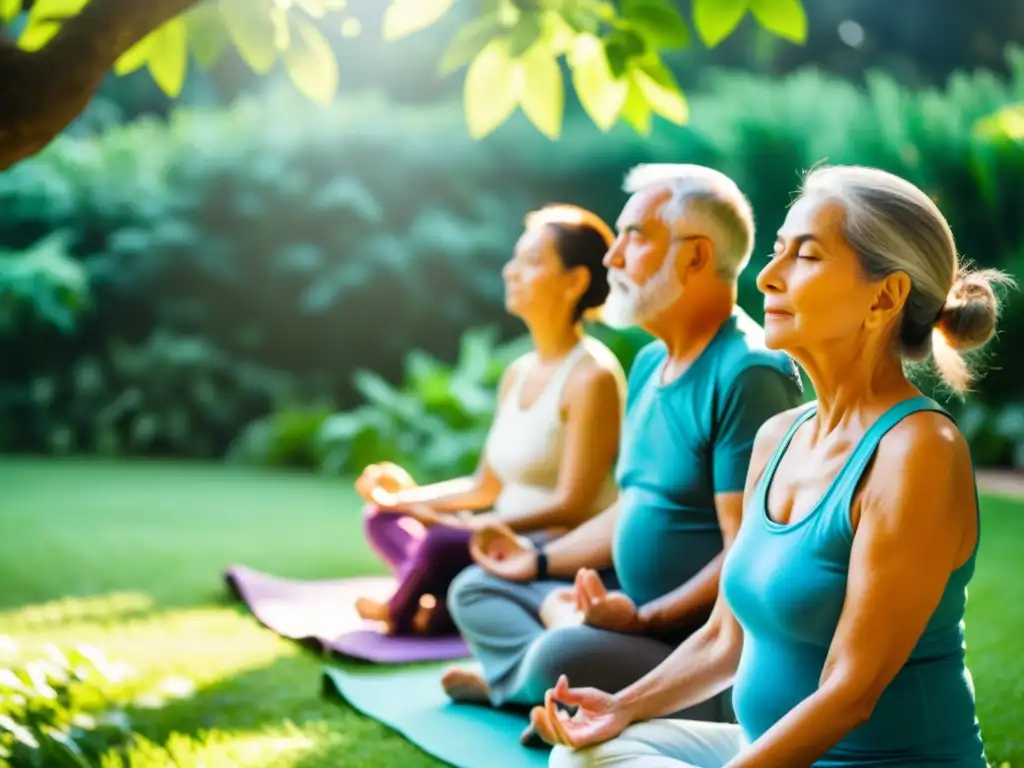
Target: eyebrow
[(800, 239), (631, 227)]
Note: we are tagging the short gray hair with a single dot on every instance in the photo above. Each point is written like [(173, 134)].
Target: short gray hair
[(893, 226), (702, 193)]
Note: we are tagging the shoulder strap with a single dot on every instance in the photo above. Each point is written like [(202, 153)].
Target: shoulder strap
[(561, 376), (773, 463), (522, 367), (846, 482)]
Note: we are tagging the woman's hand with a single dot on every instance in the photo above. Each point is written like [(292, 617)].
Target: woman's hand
[(498, 550), (383, 476), (599, 716), (602, 609)]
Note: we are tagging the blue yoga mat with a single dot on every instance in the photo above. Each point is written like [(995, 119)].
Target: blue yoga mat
[(410, 700)]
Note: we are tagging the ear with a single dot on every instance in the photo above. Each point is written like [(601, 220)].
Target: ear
[(893, 291), (579, 281), (695, 254)]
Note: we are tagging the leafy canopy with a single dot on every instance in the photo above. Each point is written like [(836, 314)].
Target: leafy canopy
[(513, 50)]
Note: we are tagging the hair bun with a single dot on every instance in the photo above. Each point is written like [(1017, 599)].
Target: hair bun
[(968, 318)]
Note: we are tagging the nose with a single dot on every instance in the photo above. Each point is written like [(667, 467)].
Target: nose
[(770, 279), (507, 270), (614, 259)]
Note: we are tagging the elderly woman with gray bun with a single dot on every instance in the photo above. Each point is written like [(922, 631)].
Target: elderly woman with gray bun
[(840, 620)]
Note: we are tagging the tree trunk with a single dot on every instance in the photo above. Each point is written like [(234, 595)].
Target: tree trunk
[(42, 92)]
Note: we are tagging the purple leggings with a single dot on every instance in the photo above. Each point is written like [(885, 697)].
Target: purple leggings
[(425, 561)]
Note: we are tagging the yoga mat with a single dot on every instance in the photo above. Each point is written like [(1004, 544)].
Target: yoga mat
[(323, 614), (410, 700)]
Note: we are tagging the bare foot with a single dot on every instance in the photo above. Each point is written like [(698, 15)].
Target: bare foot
[(422, 620), (464, 684), (371, 610)]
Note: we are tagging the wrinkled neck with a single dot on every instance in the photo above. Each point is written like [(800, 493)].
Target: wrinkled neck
[(688, 326), (852, 380)]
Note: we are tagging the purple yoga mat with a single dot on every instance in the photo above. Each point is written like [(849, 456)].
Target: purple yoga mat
[(323, 612)]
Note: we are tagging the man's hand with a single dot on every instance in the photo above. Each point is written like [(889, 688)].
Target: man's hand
[(613, 611), (560, 609), (498, 550), (599, 716)]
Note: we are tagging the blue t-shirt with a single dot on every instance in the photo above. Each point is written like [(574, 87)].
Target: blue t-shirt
[(684, 442)]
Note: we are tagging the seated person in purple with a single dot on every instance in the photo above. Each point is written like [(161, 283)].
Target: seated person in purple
[(548, 463)]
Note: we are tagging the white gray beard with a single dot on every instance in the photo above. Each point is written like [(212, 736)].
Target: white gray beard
[(630, 306)]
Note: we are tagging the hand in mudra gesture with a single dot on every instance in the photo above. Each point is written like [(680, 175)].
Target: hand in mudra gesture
[(498, 550), (378, 481), (602, 609), (599, 716)]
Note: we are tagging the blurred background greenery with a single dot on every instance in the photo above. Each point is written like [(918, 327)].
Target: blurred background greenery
[(216, 275)]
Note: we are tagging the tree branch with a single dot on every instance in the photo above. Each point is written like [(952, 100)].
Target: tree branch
[(42, 92)]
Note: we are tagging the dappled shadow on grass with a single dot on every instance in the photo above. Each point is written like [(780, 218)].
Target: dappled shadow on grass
[(285, 694), (58, 615), (245, 701)]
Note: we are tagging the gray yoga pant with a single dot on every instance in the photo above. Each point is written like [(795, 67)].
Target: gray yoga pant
[(521, 660)]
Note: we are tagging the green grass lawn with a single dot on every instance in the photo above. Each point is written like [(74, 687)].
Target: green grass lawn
[(128, 557)]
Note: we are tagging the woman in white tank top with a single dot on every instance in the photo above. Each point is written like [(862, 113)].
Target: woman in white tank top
[(548, 462)]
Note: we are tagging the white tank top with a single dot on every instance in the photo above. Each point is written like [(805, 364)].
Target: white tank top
[(525, 445)]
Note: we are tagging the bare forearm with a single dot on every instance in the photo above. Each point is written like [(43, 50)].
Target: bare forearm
[(588, 546), (553, 512), (689, 604), (450, 495), (702, 667)]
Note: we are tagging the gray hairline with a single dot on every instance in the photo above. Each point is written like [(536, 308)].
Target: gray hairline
[(694, 201)]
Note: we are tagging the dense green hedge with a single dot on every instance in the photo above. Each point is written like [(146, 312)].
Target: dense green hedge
[(310, 242)]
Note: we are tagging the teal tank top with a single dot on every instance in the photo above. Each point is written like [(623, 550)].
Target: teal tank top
[(786, 586)]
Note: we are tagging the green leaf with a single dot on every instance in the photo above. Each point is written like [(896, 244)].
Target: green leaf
[(601, 95), (658, 21), (135, 57), (351, 27), (637, 110), (717, 19), (37, 33), (476, 348), (785, 18), (621, 47), (67, 747), (168, 56), (542, 93), (206, 33), (404, 17), (315, 8), (490, 93), (661, 90), (282, 32), (523, 35), (1005, 124), (468, 42), (57, 9), (585, 19), (252, 30), (9, 10), (311, 63)]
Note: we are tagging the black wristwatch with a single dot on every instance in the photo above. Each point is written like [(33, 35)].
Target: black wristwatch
[(542, 564)]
